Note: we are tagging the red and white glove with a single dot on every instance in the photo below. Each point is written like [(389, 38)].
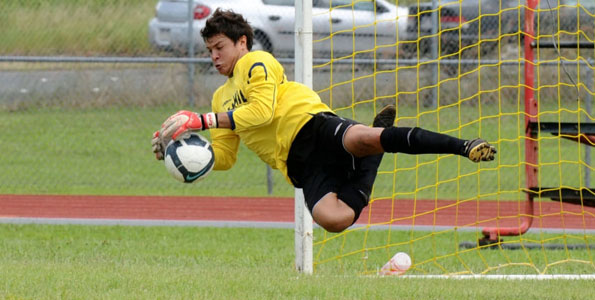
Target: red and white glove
[(157, 145), (184, 121)]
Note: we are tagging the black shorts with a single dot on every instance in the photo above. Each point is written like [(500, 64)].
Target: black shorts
[(319, 164)]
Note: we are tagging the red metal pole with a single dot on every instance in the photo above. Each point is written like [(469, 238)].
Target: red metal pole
[(531, 145)]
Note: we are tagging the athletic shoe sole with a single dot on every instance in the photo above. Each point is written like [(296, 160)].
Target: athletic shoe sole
[(386, 117), (479, 150)]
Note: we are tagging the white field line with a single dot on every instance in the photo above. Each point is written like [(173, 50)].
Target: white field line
[(505, 277), (142, 222), (249, 224)]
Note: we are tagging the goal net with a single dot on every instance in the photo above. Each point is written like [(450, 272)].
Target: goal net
[(516, 73)]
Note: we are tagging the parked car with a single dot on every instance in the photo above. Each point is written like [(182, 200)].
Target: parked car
[(571, 15), (420, 29), (344, 28)]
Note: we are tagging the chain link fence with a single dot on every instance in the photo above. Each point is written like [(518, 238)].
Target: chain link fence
[(129, 64)]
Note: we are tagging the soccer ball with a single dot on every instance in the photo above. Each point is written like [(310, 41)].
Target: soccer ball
[(189, 158), (397, 265)]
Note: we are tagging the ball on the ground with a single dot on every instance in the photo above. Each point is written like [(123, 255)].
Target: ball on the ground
[(401, 262), (189, 158)]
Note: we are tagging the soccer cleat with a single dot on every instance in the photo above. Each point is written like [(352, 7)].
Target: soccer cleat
[(386, 117), (477, 150)]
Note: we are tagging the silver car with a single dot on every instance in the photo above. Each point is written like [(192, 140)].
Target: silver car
[(372, 25)]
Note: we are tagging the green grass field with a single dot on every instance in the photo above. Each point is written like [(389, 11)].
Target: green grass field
[(54, 150), (106, 151), (112, 262), (75, 27)]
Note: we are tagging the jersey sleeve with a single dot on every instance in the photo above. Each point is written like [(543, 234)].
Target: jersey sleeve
[(260, 86), (225, 145), (225, 142)]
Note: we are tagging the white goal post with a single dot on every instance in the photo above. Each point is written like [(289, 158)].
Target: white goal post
[(303, 73)]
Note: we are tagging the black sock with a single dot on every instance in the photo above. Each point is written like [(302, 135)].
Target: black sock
[(419, 141)]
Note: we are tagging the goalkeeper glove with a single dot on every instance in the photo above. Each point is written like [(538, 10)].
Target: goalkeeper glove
[(157, 145), (184, 121)]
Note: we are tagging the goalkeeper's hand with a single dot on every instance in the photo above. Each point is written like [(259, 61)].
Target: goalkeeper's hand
[(184, 121), (158, 146)]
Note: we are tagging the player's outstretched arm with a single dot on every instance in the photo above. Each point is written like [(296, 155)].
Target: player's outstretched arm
[(184, 121)]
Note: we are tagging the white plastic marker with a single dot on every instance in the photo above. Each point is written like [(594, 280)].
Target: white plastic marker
[(397, 265)]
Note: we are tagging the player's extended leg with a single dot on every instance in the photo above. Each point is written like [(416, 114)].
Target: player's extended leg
[(361, 141), (337, 211)]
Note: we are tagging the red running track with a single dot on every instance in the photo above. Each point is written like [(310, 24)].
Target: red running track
[(547, 214)]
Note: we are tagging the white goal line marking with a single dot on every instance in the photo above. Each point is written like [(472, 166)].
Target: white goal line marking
[(506, 277)]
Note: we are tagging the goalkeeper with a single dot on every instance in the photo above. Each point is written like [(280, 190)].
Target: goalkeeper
[(334, 160)]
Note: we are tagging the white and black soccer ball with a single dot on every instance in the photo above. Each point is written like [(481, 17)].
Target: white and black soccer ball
[(189, 158)]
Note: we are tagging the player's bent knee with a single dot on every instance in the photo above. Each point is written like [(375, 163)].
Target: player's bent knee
[(333, 215), (361, 140), (333, 222), (336, 224)]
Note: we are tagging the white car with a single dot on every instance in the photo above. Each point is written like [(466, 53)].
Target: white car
[(347, 27)]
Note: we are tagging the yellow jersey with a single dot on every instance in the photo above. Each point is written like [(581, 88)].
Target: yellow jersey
[(266, 111)]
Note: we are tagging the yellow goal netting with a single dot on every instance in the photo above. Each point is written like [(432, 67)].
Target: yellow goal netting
[(519, 74)]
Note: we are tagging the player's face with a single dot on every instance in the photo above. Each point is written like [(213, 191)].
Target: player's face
[(225, 53)]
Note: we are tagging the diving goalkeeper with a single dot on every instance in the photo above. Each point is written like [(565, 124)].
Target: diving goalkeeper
[(334, 160)]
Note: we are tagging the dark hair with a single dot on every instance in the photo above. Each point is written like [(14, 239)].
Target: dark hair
[(232, 25)]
